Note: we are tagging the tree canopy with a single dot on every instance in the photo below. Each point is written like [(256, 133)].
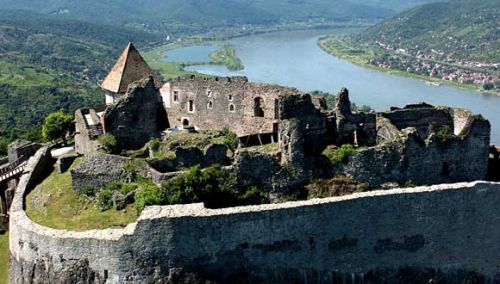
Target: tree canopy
[(56, 125)]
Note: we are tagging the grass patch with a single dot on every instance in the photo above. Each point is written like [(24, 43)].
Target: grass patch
[(267, 148), (54, 204), (340, 155), (4, 258)]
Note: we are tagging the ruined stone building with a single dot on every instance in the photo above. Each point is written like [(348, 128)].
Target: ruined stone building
[(251, 110), (418, 143)]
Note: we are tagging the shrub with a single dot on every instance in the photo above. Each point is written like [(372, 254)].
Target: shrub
[(213, 186), (409, 184), (109, 143), (132, 169), (340, 155), (253, 195), (488, 86), (89, 191), (443, 133), (115, 186), (230, 138), (154, 144), (148, 195), (104, 200), (127, 188)]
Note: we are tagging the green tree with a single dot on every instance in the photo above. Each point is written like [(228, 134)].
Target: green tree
[(488, 86), (56, 125)]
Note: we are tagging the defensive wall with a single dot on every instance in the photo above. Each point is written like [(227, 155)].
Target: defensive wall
[(443, 232)]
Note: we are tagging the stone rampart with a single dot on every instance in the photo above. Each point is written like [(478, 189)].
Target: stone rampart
[(445, 232)]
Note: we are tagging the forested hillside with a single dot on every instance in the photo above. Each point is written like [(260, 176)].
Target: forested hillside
[(178, 14), (467, 29), (48, 64), (457, 42)]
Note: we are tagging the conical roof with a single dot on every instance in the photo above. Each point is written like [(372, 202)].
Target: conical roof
[(129, 68)]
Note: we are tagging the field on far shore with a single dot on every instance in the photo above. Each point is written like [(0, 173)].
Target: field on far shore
[(226, 56)]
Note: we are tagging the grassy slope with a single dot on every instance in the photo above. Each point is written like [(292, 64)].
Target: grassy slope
[(4, 258), (55, 205)]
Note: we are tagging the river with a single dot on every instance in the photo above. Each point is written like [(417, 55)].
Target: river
[(294, 59)]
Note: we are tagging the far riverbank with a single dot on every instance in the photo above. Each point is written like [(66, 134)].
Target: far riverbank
[(342, 49)]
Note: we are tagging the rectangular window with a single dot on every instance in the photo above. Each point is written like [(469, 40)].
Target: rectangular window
[(191, 106), (176, 96)]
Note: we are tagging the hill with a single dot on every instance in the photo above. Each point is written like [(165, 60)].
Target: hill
[(48, 64), (457, 42), (466, 29), (181, 15)]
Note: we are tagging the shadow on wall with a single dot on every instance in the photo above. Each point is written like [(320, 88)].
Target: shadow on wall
[(494, 164)]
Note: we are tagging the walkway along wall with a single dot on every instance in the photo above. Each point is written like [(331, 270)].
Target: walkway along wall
[(443, 232)]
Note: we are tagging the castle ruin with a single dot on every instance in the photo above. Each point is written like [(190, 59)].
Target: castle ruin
[(418, 143), (445, 232)]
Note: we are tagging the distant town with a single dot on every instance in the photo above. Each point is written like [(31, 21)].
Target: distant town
[(438, 64)]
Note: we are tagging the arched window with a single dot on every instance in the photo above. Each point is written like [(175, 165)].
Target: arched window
[(258, 110), (210, 105), (232, 108), (185, 122), (230, 97)]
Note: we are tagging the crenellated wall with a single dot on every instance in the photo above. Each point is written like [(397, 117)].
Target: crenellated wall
[(445, 232)]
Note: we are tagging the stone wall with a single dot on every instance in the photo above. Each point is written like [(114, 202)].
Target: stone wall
[(97, 170), (353, 128), (420, 116), (136, 117), (445, 232), (85, 137), (4, 160), (418, 155), (246, 108), (22, 149)]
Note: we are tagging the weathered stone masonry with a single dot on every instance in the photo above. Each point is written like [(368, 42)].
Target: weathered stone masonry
[(446, 230), (213, 103)]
